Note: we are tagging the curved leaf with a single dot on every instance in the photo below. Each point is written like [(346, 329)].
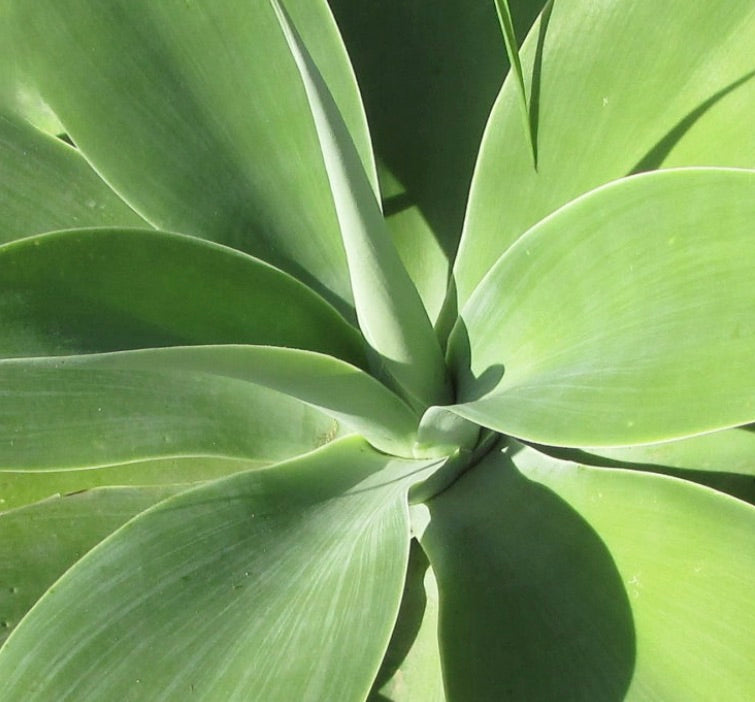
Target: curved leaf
[(87, 411), (594, 73), (532, 606), (429, 74), (686, 559), (20, 488), (40, 542), (107, 290), (388, 306), (598, 326), (46, 185), (101, 409), (215, 136), (236, 584)]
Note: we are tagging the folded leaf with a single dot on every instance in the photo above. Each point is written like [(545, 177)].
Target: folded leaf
[(598, 326), (214, 134), (388, 306), (105, 290), (40, 542), (225, 591), (87, 411), (45, 184), (102, 409), (615, 88)]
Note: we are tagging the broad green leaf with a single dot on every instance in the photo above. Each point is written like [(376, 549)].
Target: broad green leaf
[(388, 306), (559, 581), (532, 606), (429, 74), (225, 591), (615, 88), (204, 101), (45, 184), (40, 542), (599, 328), (723, 460), (102, 409), (87, 411), (410, 671), (110, 290), (19, 488), (686, 560)]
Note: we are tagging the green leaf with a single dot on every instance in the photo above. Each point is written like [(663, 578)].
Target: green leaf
[(614, 88), (214, 134), (410, 671), (237, 583), (40, 542), (101, 409), (687, 563), (512, 51), (51, 304), (559, 581), (598, 326), (20, 488), (532, 606), (45, 184), (388, 306), (429, 74), (723, 460), (87, 411)]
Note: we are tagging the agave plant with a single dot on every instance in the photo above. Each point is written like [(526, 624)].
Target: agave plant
[(449, 410)]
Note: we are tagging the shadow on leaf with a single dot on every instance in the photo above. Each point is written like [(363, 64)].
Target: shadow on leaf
[(532, 606)]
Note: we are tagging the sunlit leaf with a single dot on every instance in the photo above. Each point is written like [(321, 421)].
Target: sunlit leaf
[(230, 588), (599, 327)]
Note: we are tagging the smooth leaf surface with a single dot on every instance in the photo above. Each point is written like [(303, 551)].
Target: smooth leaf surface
[(429, 75), (230, 588), (214, 134), (109, 290), (40, 542), (45, 184), (87, 411), (411, 667), (19, 488), (388, 306), (103, 409), (532, 606), (687, 563), (615, 88), (599, 328)]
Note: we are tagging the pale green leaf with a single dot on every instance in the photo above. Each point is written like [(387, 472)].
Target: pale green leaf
[(45, 184), (86, 411), (559, 581), (429, 74), (686, 560), (100, 409), (204, 101), (615, 87), (19, 488), (599, 327), (226, 591), (388, 306), (40, 542), (110, 290)]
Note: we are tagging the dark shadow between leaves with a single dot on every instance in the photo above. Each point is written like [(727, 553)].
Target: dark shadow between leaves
[(468, 386), (654, 158), (735, 484), (537, 71), (532, 606)]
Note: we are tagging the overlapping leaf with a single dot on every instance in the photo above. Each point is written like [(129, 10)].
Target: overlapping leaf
[(599, 327), (614, 88), (214, 134), (225, 591)]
